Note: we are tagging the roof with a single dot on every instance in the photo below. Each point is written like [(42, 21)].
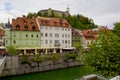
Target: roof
[(2, 32), (76, 32), (89, 34), (56, 22), (25, 24)]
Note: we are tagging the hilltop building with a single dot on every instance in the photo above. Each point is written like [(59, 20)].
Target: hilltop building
[(52, 12)]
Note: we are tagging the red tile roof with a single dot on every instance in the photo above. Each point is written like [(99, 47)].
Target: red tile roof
[(89, 34), (25, 24), (2, 32), (56, 22)]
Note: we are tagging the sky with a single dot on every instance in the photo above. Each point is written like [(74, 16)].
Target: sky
[(103, 12)]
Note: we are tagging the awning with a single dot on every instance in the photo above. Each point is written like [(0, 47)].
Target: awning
[(2, 47)]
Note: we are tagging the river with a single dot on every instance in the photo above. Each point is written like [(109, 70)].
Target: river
[(62, 74)]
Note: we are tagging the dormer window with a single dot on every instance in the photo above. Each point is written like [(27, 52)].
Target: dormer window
[(33, 28), (17, 26), (26, 27)]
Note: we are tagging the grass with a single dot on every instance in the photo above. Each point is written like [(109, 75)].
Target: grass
[(62, 74)]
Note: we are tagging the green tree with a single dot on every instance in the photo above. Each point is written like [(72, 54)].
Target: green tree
[(76, 21), (38, 59), (52, 14), (30, 15), (55, 57), (104, 55), (11, 50), (117, 28)]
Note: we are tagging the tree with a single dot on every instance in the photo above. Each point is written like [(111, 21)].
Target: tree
[(11, 50), (117, 28), (55, 57), (38, 59), (104, 55), (30, 15), (52, 14)]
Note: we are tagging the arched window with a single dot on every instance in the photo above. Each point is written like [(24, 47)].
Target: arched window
[(17, 26)]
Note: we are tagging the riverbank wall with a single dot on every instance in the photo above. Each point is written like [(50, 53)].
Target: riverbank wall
[(13, 66)]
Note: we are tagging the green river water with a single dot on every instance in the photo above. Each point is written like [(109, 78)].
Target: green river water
[(62, 74)]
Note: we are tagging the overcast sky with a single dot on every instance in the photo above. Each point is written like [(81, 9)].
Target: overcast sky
[(103, 12)]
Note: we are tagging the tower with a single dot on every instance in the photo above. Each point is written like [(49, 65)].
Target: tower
[(68, 9)]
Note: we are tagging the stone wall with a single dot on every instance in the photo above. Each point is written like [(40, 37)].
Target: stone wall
[(14, 67)]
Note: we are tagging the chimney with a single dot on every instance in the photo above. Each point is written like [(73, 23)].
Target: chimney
[(24, 16)]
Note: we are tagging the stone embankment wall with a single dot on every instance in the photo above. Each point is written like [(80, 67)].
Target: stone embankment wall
[(14, 67)]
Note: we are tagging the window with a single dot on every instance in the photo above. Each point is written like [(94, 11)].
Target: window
[(68, 41), (46, 41), (37, 36), (41, 34), (33, 28), (63, 41), (56, 28), (50, 34), (65, 35), (62, 35), (56, 35), (65, 29), (26, 35), (17, 26), (68, 29), (46, 34), (14, 41), (50, 41), (32, 35), (68, 35)]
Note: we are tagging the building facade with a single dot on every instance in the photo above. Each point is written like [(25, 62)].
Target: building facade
[(55, 33), (77, 37), (2, 40), (39, 35), (23, 35)]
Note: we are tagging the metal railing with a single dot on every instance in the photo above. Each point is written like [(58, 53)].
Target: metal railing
[(2, 63)]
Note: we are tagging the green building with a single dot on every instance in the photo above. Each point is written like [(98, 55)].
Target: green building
[(76, 38), (24, 35)]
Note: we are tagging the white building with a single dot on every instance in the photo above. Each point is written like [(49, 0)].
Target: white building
[(55, 33)]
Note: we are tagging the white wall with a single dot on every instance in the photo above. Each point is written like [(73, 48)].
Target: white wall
[(59, 31)]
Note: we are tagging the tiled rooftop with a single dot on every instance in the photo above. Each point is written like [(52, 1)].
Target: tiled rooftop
[(56, 22), (89, 34), (25, 24), (2, 32)]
